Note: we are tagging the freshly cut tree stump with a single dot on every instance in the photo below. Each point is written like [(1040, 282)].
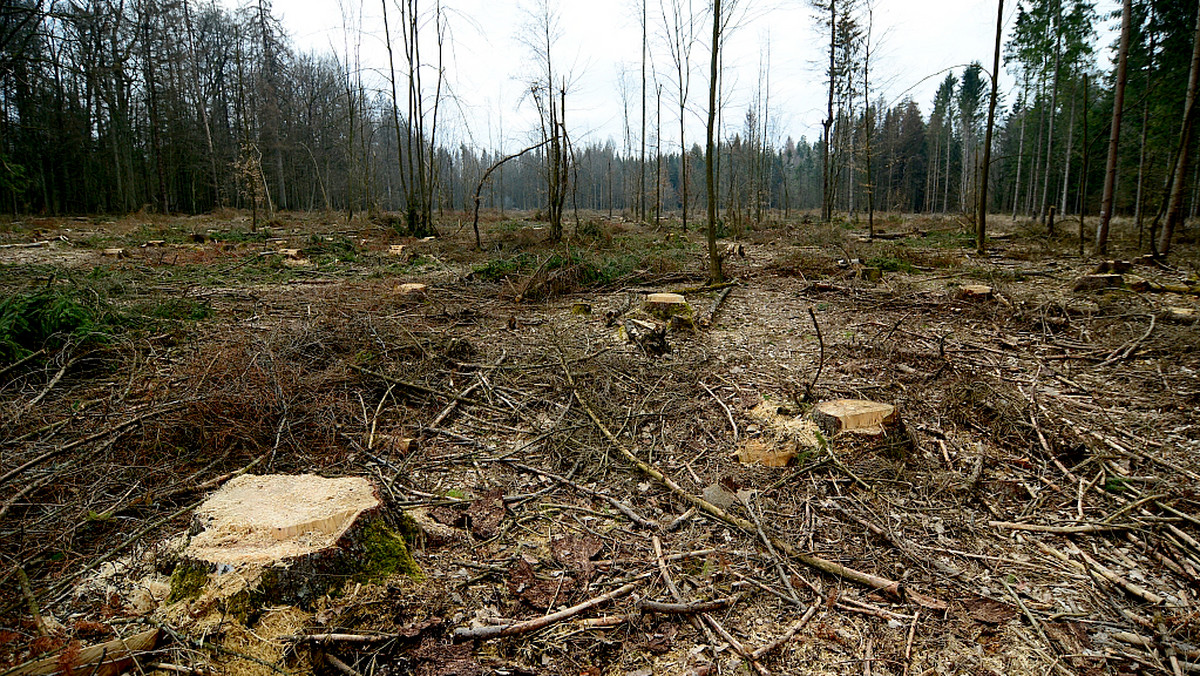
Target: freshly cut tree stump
[(976, 292), (282, 539), (853, 415), (781, 437), (414, 289), (667, 305)]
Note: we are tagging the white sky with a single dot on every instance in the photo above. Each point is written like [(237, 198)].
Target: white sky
[(487, 64)]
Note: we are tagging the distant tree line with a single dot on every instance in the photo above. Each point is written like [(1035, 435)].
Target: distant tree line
[(111, 106)]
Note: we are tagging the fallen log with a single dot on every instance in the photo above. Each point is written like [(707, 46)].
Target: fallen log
[(107, 659)]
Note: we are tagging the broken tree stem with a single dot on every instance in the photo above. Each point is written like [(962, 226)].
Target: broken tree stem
[(31, 601)]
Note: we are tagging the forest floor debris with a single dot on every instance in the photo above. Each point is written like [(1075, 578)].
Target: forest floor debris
[(579, 503)]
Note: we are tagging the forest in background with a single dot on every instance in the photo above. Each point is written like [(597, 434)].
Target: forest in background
[(179, 106)]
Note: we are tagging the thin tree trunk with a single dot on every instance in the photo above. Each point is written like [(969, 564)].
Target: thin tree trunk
[(714, 261), (981, 221), (1050, 132), (642, 162), (1141, 178), (1175, 208), (1083, 173), (1067, 158), (827, 182), (1114, 138), (1020, 158)]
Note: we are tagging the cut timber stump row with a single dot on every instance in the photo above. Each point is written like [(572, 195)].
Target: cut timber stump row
[(396, 250), (1098, 283), (976, 292), (853, 415), (280, 539)]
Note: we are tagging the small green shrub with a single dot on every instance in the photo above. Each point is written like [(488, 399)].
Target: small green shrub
[(48, 319), (890, 264)]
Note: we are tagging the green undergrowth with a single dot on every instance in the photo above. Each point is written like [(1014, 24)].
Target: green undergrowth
[(591, 267), (52, 317)]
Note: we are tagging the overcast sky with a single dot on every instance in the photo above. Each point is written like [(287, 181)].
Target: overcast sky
[(915, 41)]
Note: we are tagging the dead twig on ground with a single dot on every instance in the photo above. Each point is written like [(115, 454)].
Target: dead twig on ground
[(788, 635), (686, 608), (724, 407), (1061, 530), (500, 630)]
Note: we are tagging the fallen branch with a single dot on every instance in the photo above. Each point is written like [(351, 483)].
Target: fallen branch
[(1126, 350), (1061, 530), (26, 245), (341, 666), (736, 645), (809, 387), (1130, 587), (724, 407), (617, 504), (109, 657), (343, 638), (788, 635), (674, 589), (705, 287), (20, 362), (500, 630), (648, 606)]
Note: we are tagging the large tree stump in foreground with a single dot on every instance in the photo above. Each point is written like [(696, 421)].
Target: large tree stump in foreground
[(279, 539)]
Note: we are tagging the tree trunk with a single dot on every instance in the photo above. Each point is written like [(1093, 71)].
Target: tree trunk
[(826, 181), (1114, 138), (715, 275), (1175, 208), (1067, 158), (1050, 132), (981, 221)]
